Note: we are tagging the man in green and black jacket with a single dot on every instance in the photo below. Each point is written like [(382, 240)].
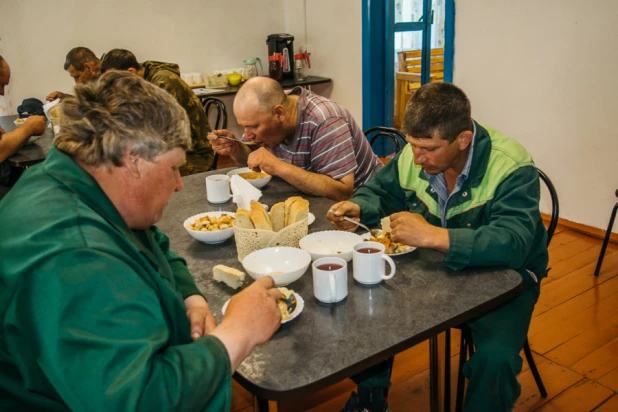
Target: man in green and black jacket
[(472, 193), (201, 157)]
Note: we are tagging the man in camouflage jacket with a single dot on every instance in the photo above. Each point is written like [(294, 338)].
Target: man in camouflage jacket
[(167, 76)]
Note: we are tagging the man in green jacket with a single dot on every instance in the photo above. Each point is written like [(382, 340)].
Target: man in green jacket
[(98, 314), (472, 193), (167, 76)]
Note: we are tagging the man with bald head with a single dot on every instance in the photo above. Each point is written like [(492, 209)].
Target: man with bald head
[(307, 140)]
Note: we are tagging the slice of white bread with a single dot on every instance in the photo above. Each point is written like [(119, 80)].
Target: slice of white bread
[(298, 211), (230, 276), (260, 217), (243, 220), (277, 216)]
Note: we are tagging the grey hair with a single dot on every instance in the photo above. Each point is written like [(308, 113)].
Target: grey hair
[(268, 92), (120, 109)]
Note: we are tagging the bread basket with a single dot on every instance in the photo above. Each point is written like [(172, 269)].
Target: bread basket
[(250, 240)]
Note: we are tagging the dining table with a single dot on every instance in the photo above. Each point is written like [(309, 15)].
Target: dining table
[(30, 153), (327, 343)]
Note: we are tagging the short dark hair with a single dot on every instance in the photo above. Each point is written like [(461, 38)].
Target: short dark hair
[(119, 59), (437, 107), (78, 56)]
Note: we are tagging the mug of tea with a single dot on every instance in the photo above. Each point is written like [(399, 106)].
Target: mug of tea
[(218, 188), (369, 263), (330, 279)]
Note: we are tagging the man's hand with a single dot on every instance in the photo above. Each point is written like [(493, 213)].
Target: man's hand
[(55, 95), (341, 209), (265, 160), (201, 319), (35, 125), (256, 311), (412, 229), (224, 147), (251, 318)]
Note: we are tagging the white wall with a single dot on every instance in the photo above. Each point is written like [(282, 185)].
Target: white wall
[(199, 35), (546, 73), (334, 32)]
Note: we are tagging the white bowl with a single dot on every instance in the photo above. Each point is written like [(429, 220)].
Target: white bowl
[(259, 183), (216, 236), (284, 264), (330, 243)]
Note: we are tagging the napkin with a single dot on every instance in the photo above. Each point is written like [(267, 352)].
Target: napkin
[(243, 192)]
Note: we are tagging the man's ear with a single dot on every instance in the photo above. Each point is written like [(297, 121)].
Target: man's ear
[(132, 70), (279, 112), (465, 139), (132, 163)]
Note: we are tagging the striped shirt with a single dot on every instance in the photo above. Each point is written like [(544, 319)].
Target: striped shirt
[(328, 141)]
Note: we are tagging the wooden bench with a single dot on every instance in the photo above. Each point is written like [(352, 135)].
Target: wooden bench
[(408, 78)]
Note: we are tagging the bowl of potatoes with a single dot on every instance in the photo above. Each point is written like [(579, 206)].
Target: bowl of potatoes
[(211, 227)]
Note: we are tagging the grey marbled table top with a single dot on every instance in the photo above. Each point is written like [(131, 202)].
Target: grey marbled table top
[(328, 342)]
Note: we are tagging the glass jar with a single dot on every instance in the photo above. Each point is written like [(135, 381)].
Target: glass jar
[(301, 62), (275, 67)]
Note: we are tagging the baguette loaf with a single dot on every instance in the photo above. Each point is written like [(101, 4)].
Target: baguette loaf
[(259, 216), (288, 205), (243, 220), (277, 216), (298, 211), (230, 276)]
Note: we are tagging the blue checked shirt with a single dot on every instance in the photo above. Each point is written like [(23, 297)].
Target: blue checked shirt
[(438, 182)]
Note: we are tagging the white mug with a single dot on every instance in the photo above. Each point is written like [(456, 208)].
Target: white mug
[(330, 279), (369, 263), (218, 188)]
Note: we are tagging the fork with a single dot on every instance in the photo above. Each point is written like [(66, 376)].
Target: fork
[(357, 223), (354, 221)]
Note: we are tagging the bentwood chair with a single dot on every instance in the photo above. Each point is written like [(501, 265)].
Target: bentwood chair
[(395, 139), (466, 346), (606, 240), (221, 119)]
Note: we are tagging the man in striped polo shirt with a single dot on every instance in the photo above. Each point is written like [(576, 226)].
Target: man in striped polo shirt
[(307, 140)]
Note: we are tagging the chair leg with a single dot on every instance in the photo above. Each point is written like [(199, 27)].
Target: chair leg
[(606, 240), (391, 360), (447, 371), (463, 350), (534, 370)]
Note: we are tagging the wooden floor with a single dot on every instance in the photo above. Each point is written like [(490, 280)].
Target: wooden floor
[(573, 334)]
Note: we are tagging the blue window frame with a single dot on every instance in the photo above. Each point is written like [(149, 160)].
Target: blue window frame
[(379, 28)]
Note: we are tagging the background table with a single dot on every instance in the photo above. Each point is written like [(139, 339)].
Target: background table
[(327, 343), (28, 154), (288, 83)]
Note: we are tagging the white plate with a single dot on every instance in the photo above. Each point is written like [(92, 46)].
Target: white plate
[(330, 243), (310, 218), (300, 305), (367, 235)]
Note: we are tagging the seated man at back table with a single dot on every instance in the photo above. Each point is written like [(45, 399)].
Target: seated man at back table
[(167, 76), (12, 141), (307, 140), (98, 312), (82, 65), (472, 193)]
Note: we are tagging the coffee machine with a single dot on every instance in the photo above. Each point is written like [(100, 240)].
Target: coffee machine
[(283, 43)]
